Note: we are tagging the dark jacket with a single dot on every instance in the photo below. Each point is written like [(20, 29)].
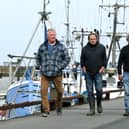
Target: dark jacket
[(52, 64), (93, 57), (124, 59)]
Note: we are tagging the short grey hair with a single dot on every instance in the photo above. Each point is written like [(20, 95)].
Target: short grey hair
[(51, 29)]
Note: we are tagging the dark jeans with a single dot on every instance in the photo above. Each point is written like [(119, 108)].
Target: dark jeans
[(94, 81)]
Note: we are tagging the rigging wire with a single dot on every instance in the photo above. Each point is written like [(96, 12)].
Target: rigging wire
[(42, 18)]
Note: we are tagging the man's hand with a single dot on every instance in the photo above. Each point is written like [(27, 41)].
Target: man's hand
[(120, 77), (84, 69), (102, 69)]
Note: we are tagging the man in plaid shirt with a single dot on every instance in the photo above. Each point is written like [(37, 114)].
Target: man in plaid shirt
[(52, 57)]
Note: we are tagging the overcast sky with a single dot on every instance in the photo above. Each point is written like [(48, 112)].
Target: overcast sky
[(18, 19)]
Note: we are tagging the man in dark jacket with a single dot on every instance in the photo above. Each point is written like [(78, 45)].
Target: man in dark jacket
[(52, 57), (93, 63), (123, 63)]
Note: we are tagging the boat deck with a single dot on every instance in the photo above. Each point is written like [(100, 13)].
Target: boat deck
[(75, 118)]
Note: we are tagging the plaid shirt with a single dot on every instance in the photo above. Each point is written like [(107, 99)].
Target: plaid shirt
[(52, 64)]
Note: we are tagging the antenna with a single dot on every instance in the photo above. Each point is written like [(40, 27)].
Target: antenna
[(44, 14)]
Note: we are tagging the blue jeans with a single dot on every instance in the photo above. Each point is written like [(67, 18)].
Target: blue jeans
[(126, 86), (91, 81)]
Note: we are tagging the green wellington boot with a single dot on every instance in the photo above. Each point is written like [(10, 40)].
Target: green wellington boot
[(92, 109), (99, 108)]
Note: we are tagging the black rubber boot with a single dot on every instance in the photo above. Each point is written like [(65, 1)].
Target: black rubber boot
[(99, 105), (99, 108), (92, 109)]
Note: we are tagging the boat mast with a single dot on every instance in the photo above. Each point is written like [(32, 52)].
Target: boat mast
[(68, 42), (67, 24), (43, 18), (115, 37), (113, 41), (44, 14)]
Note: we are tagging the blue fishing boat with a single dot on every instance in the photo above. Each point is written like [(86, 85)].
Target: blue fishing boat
[(20, 92)]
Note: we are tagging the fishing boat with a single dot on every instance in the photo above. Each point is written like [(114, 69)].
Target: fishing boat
[(28, 88), (23, 92)]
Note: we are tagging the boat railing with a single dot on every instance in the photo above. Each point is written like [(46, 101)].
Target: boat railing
[(24, 104)]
